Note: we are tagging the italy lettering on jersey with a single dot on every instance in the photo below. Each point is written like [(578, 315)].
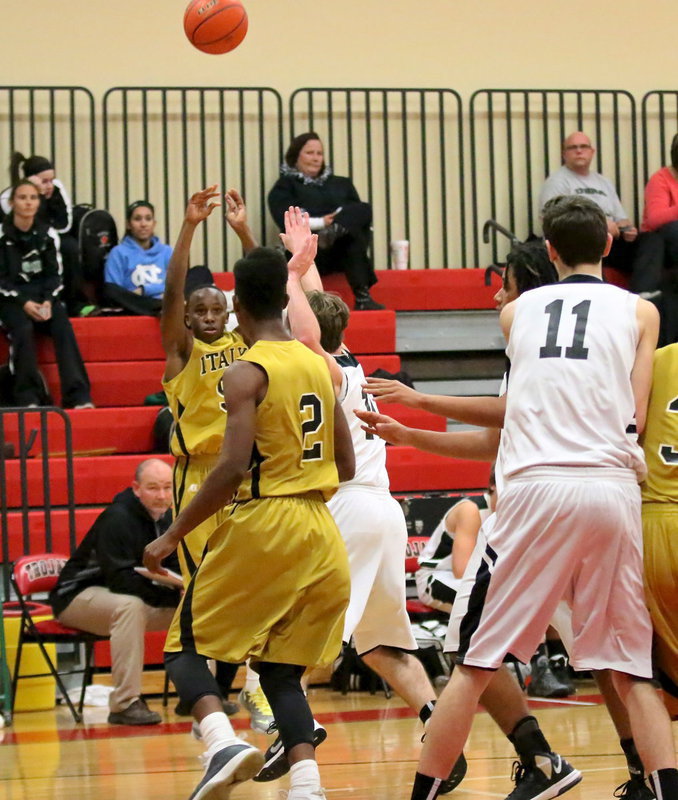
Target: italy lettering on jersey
[(660, 439), (196, 397), (293, 450), (437, 553), (370, 450), (570, 402)]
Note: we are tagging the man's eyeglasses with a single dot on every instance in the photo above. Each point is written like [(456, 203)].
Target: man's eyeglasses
[(579, 147)]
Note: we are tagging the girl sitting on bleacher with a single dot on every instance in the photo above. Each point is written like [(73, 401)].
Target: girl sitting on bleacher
[(30, 300), (136, 269)]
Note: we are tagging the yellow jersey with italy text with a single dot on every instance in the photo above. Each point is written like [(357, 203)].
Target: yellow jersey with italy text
[(196, 396), (660, 438), (293, 450)]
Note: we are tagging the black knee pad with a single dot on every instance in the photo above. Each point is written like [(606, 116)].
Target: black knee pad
[(191, 677), (282, 687)]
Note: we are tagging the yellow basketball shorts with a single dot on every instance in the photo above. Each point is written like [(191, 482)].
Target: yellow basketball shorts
[(189, 474), (660, 538), (273, 586)]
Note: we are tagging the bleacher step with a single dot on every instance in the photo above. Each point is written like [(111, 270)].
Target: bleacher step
[(98, 479)]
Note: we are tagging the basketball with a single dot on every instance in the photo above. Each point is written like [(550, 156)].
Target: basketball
[(215, 26)]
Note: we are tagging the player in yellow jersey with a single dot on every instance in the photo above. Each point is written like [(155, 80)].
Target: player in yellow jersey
[(198, 350), (660, 519), (273, 584)]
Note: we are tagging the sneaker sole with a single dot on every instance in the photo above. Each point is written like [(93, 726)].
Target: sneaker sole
[(278, 765), (564, 785), (242, 767)]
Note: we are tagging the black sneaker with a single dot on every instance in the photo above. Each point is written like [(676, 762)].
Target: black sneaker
[(544, 683), (456, 776), (634, 789), (229, 766), (138, 713), (550, 777), (275, 760), (365, 302)]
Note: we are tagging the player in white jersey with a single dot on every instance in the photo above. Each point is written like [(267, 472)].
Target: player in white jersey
[(444, 558), (479, 444), (575, 507), (369, 519)]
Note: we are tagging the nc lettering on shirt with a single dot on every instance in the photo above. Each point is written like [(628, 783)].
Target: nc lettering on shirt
[(146, 273), (210, 362)]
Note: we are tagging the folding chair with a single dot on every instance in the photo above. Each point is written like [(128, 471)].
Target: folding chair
[(414, 606), (37, 574)]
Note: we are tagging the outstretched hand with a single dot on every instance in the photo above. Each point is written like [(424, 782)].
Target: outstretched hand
[(199, 206), (297, 229), (390, 391), (299, 240), (156, 551), (236, 211), (384, 427)]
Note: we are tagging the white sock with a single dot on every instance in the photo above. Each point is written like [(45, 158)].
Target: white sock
[(305, 773), (251, 680), (217, 732)]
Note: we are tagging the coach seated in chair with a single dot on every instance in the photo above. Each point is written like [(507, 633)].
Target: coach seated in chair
[(100, 591)]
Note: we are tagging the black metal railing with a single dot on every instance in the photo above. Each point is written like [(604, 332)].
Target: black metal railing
[(403, 149), (56, 122), (659, 120), (163, 143), (516, 141), (29, 482)]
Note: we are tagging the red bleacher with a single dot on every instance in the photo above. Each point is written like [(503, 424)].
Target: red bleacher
[(425, 289)]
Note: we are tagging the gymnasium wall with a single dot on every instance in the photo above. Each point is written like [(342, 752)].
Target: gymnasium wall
[(465, 44), (430, 43)]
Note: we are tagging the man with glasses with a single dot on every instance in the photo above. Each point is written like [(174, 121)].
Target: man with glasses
[(576, 177)]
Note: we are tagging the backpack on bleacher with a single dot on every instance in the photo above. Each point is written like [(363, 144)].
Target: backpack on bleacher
[(97, 235)]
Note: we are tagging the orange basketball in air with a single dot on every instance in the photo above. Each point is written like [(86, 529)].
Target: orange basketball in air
[(215, 26)]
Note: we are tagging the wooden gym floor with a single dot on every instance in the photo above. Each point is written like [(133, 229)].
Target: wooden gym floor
[(370, 752)]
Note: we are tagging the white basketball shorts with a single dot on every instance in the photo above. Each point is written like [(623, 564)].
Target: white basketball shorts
[(373, 527), (559, 533)]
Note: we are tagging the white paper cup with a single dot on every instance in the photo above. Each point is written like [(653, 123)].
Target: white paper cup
[(400, 254)]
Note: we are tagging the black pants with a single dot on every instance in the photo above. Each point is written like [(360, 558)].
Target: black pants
[(27, 381), (621, 255), (135, 304), (648, 264), (349, 253)]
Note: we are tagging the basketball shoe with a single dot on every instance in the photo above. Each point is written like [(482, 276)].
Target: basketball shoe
[(549, 776), (275, 760), (261, 716), (228, 767), (544, 683)]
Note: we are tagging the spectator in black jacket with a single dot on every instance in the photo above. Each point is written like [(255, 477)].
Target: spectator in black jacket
[(56, 211), (100, 591), (30, 300), (341, 220)]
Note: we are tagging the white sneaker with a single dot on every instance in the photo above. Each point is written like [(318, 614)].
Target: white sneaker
[(259, 710), (228, 767)]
